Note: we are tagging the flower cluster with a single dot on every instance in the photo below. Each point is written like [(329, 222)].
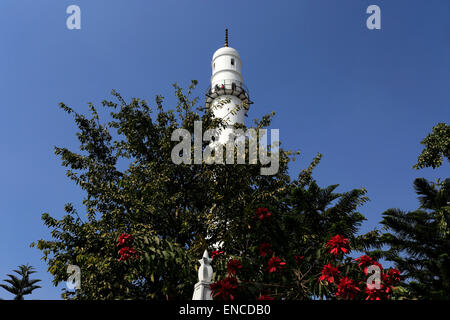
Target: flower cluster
[(233, 266), (264, 249), (329, 273), (338, 244), (392, 277), (215, 253), (366, 261), (262, 213), (388, 281), (275, 264), (348, 288), (298, 259), (124, 239), (377, 294), (126, 251), (224, 289)]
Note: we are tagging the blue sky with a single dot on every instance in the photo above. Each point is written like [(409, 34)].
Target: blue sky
[(363, 98)]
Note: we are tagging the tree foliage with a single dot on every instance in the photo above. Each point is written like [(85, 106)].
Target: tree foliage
[(175, 212), (437, 147), (22, 286), (419, 241), (295, 232), (282, 255)]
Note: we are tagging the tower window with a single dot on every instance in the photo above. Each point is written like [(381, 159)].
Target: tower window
[(232, 61)]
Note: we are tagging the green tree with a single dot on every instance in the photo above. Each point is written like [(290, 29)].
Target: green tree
[(174, 212), (437, 147), (21, 286), (419, 241), (296, 233)]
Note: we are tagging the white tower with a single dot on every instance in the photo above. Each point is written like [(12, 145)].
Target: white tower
[(227, 83)]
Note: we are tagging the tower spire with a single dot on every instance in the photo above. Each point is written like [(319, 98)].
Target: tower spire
[(226, 38)]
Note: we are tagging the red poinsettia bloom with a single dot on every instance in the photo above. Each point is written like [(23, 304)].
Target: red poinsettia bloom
[(377, 294), (329, 273), (224, 289), (392, 277), (233, 266), (366, 261), (347, 289), (215, 253), (337, 244), (123, 239), (298, 259), (266, 297), (262, 213), (264, 249), (126, 253), (275, 264)]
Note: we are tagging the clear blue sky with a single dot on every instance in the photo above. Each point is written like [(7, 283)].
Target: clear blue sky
[(365, 99)]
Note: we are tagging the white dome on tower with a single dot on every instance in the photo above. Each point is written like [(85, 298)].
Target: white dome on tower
[(226, 50), (226, 66)]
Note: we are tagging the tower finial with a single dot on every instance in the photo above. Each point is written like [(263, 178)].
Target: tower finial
[(226, 38)]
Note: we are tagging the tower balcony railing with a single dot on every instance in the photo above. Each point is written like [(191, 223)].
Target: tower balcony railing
[(227, 87)]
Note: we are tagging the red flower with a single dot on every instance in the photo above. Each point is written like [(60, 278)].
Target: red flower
[(392, 277), (377, 294), (123, 239), (347, 289), (224, 289), (298, 259), (262, 213), (329, 272), (366, 261), (233, 266), (275, 263), (215, 253), (264, 249), (338, 243), (126, 253), (265, 297)]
